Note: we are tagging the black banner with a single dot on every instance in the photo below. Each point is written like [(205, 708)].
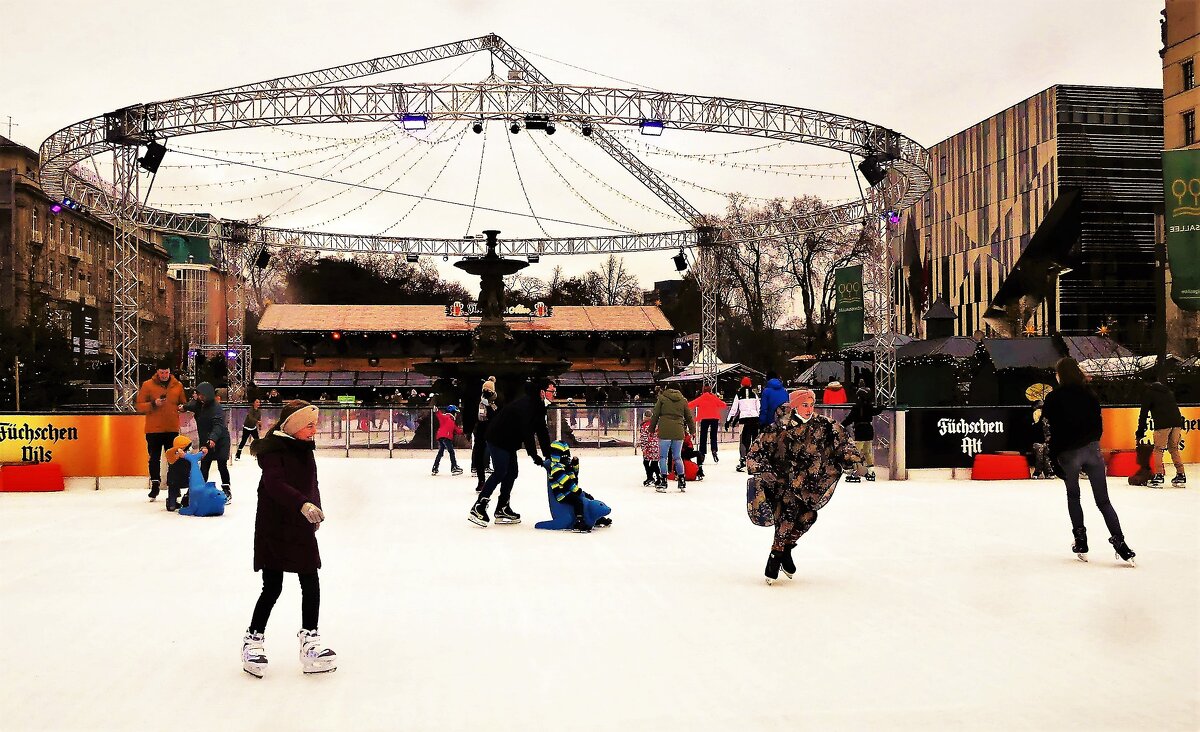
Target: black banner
[(951, 438)]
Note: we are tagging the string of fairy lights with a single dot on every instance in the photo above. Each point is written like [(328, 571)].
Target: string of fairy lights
[(606, 184), (587, 201), (525, 192), (461, 136)]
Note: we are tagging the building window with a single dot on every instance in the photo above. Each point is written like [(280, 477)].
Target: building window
[(35, 220), (1189, 127), (1189, 74)]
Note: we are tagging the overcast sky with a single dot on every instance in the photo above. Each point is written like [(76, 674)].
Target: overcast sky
[(927, 68)]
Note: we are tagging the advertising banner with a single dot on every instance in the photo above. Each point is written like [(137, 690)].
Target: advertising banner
[(951, 438), (1181, 186), (84, 445), (1120, 426), (848, 305)]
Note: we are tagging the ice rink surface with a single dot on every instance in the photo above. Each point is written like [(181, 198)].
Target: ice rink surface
[(927, 604)]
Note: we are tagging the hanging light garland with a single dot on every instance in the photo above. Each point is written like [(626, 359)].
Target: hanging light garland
[(460, 137), (572, 188), (609, 186)]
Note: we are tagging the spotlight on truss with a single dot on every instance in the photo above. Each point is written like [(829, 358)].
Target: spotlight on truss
[(534, 258), (414, 121), (892, 216), (587, 129), (477, 128), (680, 261), (153, 157), (652, 127), (411, 258), (514, 128)]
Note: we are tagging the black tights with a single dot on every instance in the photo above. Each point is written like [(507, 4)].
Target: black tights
[(310, 599), (651, 467)]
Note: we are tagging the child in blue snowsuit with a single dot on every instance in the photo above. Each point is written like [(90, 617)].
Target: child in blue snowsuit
[(563, 477)]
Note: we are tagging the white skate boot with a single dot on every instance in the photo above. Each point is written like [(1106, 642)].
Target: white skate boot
[(315, 658), (254, 658)]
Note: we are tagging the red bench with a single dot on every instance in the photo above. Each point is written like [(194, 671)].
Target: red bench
[(1000, 467), (30, 478), (1122, 463)]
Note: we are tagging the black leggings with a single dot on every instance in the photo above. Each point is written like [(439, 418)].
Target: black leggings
[(247, 434), (651, 467), (222, 466), (310, 600)]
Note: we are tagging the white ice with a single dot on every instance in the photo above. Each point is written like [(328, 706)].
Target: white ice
[(927, 604)]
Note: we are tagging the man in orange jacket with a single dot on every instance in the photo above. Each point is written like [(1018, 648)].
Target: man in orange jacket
[(159, 399), (709, 410)]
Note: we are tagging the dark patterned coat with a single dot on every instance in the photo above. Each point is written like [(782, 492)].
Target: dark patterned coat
[(283, 539), (805, 459)]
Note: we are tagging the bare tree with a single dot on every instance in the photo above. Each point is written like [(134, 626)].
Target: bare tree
[(615, 285)]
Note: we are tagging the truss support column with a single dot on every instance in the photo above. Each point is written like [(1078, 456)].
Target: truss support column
[(125, 277), (707, 277), (237, 354)]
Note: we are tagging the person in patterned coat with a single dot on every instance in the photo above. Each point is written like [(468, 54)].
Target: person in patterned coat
[(798, 459)]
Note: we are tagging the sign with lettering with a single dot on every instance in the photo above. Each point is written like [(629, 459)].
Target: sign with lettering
[(459, 309), (951, 438), (848, 305), (1120, 426), (91, 444), (1181, 187)]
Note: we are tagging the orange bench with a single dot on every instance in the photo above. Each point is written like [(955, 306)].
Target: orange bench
[(30, 478), (1000, 467)]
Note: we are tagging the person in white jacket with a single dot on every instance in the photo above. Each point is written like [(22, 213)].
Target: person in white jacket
[(745, 412)]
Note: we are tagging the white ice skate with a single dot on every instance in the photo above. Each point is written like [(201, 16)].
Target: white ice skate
[(254, 658), (314, 658)]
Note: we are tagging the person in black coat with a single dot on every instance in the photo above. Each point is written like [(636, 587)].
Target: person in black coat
[(212, 432), (861, 423), (285, 540), (1159, 404), (1073, 414), (517, 423)]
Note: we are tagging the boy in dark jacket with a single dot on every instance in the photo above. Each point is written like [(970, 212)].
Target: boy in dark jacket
[(212, 432), (1160, 405), (285, 539), (860, 420)]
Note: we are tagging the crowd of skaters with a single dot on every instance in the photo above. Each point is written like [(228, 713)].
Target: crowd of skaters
[(795, 458)]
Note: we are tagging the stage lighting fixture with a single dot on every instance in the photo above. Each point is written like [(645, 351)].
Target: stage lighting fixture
[(310, 361), (71, 203), (534, 258), (336, 335), (514, 128), (549, 128), (652, 127), (680, 261), (55, 208), (893, 216), (191, 355), (414, 121), (536, 121), (445, 257), (153, 157), (411, 258), (263, 259), (587, 130), (231, 354), (873, 169), (477, 128)]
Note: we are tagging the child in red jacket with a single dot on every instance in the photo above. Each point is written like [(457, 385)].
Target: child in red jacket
[(447, 430)]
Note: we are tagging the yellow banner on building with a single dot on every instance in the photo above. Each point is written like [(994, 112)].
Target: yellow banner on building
[(1120, 424), (82, 444)]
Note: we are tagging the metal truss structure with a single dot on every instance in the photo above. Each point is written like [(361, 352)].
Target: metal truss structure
[(320, 97), (125, 277)]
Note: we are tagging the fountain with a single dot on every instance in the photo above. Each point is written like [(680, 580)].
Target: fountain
[(493, 348)]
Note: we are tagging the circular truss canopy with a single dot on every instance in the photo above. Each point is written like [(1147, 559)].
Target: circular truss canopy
[(311, 99)]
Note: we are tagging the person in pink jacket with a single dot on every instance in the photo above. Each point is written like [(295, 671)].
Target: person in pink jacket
[(447, 430), (709, 410)]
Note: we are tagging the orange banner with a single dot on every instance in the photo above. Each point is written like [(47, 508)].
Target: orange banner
[(1120, 424), (84, 445)]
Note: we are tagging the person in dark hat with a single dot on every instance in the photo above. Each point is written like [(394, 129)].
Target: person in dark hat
[(521, 421), (212, 432)]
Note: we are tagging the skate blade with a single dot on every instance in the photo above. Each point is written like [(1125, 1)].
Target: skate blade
[(1081, 557), (477, 522), (788, 574), (314, 670), (770, 581), (502, 522), (256, 671), (1129, 561)]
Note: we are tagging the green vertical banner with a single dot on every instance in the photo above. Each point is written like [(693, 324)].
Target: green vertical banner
[(848, 305), (1181, 185)]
